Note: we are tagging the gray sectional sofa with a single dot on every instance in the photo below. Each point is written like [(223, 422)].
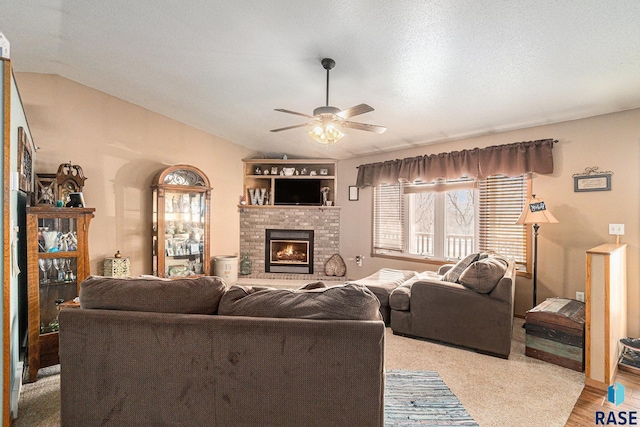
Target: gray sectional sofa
[(190, 352), (469, 304)]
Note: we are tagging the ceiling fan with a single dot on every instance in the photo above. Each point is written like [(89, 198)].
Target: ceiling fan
[(326, 119)]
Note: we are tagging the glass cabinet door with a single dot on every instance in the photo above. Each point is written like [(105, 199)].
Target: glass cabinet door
[(183, 233), (57, 262), (58, 267), (181, 197)]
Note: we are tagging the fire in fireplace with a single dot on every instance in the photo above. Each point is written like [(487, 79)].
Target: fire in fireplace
[(289, 251), (285, 251)]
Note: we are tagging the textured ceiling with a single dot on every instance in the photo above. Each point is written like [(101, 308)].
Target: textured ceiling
[(433, 70)]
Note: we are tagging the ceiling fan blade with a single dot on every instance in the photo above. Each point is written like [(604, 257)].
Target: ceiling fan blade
[(354, 111), (293, 112), (291, 127), (364, 126)]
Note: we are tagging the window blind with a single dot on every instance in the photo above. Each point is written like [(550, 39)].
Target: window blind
[(388, 223), (501, 202)]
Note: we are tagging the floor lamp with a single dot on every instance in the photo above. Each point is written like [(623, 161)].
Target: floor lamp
[(535, 212)]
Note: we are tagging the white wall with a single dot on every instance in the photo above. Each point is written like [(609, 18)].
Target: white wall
[(611, 142)]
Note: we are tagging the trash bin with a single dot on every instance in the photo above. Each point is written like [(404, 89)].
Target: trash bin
[(226, 266)]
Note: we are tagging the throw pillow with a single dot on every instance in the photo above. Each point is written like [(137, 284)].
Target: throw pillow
[(483, 275), (342, 302), (199, 295), (453, 275)]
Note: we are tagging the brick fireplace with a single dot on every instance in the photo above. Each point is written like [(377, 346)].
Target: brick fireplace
[(256, 223)]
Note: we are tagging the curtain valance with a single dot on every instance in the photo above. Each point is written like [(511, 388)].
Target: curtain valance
[(478, 163)]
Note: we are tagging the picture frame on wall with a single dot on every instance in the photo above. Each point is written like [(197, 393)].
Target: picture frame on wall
[(25, 162), (353, 193), (600, 182)]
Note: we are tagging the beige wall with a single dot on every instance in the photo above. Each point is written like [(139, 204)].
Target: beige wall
[(121, 147), (611, 142)]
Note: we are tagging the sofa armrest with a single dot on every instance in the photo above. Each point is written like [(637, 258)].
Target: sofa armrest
[(400, 298)]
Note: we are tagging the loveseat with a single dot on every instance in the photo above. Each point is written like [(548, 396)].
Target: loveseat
[(468, 304), (193, 352)]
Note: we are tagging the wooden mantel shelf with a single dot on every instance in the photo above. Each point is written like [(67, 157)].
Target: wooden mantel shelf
[(322, 208)]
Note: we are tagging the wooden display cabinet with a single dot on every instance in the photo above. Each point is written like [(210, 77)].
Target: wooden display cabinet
[(57, 261), (181, 203), (255, 178)]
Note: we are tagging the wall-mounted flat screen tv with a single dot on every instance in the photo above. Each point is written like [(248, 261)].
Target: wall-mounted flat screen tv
[(297, 192)]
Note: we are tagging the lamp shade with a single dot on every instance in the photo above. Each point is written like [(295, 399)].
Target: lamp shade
[(535, 212)]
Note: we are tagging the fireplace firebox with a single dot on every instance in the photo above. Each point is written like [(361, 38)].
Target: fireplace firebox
[(288, 251)]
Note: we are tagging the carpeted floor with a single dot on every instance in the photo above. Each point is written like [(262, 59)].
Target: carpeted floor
[(520, 391)]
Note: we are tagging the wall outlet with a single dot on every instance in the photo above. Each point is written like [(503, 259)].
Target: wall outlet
[(580, 296), (616, 229)]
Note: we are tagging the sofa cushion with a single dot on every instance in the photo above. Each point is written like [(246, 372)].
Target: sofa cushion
[(384, 281), (453, 275), (312, 285), (341, 302), (200, 295), (483, 275)]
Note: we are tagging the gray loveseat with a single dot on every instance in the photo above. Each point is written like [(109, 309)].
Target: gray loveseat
[(466, 305), (155, 352)]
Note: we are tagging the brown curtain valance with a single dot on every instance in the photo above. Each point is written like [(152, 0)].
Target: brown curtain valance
[(479, 163)]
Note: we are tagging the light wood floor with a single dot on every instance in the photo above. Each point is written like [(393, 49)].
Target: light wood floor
[(592, 400)]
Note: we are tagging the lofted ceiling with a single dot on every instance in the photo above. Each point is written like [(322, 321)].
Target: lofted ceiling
[(433, 70)]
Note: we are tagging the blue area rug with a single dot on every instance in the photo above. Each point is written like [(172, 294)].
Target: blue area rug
[(421, 398)]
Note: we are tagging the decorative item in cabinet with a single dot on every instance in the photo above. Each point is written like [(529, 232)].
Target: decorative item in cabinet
[(46, 189), (57, 261), (180, 233)]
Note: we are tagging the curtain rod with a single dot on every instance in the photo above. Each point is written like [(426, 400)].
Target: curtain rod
[(553, 141)]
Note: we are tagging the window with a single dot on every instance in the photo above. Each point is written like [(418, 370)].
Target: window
[(449, 220)]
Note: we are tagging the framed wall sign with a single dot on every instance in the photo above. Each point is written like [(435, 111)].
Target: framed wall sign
[(25, 161), (353, 193), (592, 180)]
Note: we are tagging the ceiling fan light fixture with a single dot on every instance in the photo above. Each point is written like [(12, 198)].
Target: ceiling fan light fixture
[(326, 134)]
